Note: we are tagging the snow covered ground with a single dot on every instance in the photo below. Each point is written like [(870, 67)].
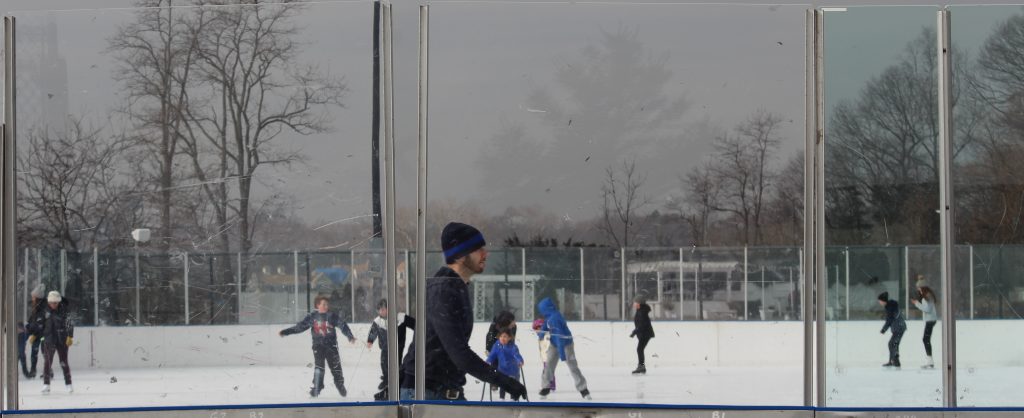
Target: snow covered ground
[(860, 387)]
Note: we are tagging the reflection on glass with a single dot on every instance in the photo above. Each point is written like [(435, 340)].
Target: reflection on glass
[(624, 156), (881, 192), (238, 136), (987, 183)]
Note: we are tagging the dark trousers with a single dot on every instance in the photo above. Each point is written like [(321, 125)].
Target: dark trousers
[(22, 358), (328, 354), (894, 345), (383, 368), (62, 352), (928, 326), (641, 345)]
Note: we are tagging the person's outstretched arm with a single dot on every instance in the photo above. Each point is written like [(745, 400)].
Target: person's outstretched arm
[(303, 325)]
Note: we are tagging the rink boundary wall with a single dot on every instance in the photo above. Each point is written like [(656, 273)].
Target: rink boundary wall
[(607, 344), (433, 409)]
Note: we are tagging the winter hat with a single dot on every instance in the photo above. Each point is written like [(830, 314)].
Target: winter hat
[(884, 297), (383, 303), (640, 299), (53, 297), (39, 291), (921, 282), (458, 240)]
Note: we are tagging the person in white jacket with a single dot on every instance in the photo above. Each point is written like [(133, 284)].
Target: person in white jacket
[(926, 303)]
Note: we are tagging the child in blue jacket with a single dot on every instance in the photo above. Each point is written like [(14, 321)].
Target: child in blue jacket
[(506, 354), (562, 348)]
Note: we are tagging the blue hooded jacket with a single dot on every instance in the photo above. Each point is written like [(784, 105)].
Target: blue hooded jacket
[(507, 357), (555, 324)]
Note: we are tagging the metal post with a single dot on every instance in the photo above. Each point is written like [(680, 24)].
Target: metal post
[(95, 287), (351, 280), (583, 298), (696, 291), (408, 284), (680, 284), (63, 271), (184, 259), (138, 293), (746, 279), (817, 264), (970, 254), (421, 206), (947, 238), (389, 210), (764, 309), (906, 281), (8, 268), (28, 284), (846, 256), (238, 284), (522, 259), (622, 300), (295, 280)]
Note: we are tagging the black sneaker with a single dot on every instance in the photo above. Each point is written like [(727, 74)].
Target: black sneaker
[(342, 391), (586, 394), (640, 370), (544, 393), (313, 392)]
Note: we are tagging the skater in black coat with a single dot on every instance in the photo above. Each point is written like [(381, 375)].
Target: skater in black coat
[(504, 320), (449, 323), (893, 320), (642, 330), (54, 326), (325, 343)]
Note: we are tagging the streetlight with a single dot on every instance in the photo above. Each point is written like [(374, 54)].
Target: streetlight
[(139, 235)]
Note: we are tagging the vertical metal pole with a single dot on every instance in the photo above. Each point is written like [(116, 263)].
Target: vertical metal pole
[(817, 264), (138, 292), (352, 277), (9, 382), (95, 287), (522, 259), (696, 291), (390, 202), (295, 281), (746, 279), (947, 237), (970, 254), (28, 284), (63, 271), (680, 283), (906, 281), (622, 301), (583, 298), (421, 206), (408, 284), (846, 257), (764, 310), (238, 285), (184, 259)]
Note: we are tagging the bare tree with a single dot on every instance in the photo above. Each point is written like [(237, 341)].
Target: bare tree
[(622, 201), (73, 189), (702, 197)]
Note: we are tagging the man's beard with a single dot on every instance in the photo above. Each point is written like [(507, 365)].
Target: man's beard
[(475, 267)]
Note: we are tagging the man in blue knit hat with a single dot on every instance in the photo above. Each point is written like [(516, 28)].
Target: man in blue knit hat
[(449, 323)]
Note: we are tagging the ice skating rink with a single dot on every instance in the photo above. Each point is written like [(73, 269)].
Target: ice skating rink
[(689, 363)]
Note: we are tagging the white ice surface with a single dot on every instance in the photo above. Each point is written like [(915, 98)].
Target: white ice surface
[(860, 387)]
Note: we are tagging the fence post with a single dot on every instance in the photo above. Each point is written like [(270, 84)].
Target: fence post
[(846, 255), (970, 264), (295, 298), (622, 300), (680, 283), (238, 284), (746, 279), (95, 287), (906, 280), (184, 259), (583, 297), (352, 282), (63, 271), (408, 284), (28, 284), (696, 290), (138, 292)]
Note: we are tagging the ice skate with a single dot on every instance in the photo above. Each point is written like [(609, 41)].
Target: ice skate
[(544, 393), (586, 394), (342, 391), (930, 364), (70, 389), (641, 369), (46, 389)]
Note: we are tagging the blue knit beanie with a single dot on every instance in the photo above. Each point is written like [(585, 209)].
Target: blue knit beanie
[(458, 240)]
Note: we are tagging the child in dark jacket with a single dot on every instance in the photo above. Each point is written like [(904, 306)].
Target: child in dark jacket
[(893, 320), (325, 343), (506, 355), (379, 332), (642, 330)]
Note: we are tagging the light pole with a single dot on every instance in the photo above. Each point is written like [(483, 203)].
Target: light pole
[(139, 235)]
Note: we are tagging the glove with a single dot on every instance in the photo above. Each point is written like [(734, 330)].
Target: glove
[(515, 389), (68, 341), (632, 334), (31, 339)]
